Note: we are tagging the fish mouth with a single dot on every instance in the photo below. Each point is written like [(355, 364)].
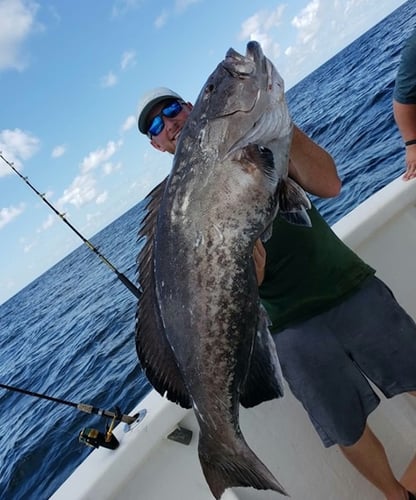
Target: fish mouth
[(254, 51), (253, 61), (254, 64)]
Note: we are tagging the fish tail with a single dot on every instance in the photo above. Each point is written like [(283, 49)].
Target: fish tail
[(242, 468)]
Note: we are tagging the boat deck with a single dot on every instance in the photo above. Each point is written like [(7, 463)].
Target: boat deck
[(149, 466)]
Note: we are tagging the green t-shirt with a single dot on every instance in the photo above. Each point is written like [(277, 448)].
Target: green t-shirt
[(308, 271)]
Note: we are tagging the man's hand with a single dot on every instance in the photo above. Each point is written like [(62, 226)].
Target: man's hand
[(410, 163), (259, 257)]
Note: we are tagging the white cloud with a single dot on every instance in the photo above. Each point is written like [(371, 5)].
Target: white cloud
[(317, 26), (312, 25), (128, 59), (324, 27), (58, 151), (99, 156), (101, 198), (263, 20), (83, 188), (17, 23), (314, 34), (308, 17), (109, 168), (81, 191), (129, 123), (182, 5), (16, 146), (49, 222), (162, 19), (109, 80), (7, 214), (259, 26), (122, 7)]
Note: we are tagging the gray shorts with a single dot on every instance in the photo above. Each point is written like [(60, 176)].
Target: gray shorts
[(326, 360)]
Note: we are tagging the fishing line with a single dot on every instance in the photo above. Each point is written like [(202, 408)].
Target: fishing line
[(126, 282)]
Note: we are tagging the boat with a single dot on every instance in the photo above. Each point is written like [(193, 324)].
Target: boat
[(157, 456)]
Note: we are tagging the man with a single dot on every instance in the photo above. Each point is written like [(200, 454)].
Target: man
[(319, 296), (404, 103)]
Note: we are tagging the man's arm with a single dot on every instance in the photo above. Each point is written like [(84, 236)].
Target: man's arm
[(405, 116), (312, 167)]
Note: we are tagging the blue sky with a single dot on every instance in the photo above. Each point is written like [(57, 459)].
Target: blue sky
[(71, 76)]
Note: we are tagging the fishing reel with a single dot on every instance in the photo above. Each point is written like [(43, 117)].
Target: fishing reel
[(94, 438)]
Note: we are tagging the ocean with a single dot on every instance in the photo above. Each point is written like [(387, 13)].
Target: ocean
[(70, 333)]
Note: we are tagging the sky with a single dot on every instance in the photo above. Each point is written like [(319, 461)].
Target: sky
[(71, 77)]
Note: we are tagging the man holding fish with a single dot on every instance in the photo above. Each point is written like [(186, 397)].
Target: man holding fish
[(320, 296)]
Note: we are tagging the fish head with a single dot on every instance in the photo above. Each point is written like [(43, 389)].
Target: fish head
[(244, 102)]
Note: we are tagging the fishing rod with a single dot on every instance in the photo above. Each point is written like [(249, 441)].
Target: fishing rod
[(126, 282), (86, 408)]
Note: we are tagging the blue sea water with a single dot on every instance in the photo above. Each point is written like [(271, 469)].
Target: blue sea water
[(70, 333)]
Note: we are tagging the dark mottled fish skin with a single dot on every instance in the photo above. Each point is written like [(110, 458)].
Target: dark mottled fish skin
[(201, 334), (210, 312)]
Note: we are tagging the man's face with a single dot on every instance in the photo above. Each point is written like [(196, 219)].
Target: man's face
[(166, 139)]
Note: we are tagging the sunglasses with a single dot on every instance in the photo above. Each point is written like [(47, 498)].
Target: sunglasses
[(169, 111)]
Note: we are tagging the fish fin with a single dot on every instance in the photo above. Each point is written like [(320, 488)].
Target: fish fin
[(241, 468), (293, 203), (262, 158), (264, 380), (267, 233), (155, 354)]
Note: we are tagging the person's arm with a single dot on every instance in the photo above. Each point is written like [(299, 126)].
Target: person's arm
[(312, 167), (405, 116)]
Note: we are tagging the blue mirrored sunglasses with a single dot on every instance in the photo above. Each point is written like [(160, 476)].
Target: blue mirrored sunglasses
[(170, 111)]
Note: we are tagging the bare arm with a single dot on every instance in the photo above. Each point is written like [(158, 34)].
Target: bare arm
[(313, 167), (405, 116)]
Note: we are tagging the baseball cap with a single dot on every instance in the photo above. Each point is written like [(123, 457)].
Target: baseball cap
[(150, 99)]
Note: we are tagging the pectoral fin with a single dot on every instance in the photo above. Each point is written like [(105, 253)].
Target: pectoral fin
[(293, 203)]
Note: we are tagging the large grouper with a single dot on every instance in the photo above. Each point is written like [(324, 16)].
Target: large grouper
[(201, 334)]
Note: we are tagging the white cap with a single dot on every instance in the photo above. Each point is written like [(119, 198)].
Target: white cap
[(149, 100)]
